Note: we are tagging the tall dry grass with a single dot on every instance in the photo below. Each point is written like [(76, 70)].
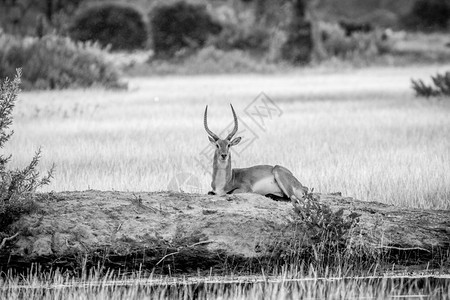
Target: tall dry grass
[(283, 286), (360, 132)]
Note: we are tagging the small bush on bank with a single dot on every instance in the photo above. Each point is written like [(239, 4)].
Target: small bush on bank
[(441, 86), (180, 26), (17, 187), (56, 63), (330, 232), (117, 25), (324, 240)]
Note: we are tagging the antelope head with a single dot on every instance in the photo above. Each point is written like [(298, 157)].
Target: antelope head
[(222, 153)]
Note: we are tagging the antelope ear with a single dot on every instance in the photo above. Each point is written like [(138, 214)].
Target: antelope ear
[(235, 141), (213, 141)]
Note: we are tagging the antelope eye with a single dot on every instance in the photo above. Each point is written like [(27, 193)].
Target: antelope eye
[(217, 146)]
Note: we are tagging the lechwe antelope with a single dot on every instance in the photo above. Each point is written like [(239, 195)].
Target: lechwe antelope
[(275, 182)]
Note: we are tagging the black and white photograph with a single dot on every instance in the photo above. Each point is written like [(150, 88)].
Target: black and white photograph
[(224, 149)]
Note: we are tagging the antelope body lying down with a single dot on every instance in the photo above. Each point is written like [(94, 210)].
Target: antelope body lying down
[(276, 182)]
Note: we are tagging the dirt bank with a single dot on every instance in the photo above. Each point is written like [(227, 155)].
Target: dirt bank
[(193, 231)]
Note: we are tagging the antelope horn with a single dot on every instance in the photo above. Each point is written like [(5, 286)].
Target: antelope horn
[(205, 123), (235, 129)]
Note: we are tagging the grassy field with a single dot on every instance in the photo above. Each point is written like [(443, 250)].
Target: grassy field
[(93, 286), (360, 132)]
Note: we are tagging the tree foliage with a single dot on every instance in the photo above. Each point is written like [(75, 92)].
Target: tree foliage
[(17, 187), (120, 26), (30, 17), (299, 44), (179, 26), (429, 15)]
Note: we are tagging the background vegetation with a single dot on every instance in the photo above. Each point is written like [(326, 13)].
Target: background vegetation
[(54, 62), (204, 37), (119, 26)]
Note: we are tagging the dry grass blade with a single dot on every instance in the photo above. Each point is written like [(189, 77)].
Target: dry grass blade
[(7, 239)]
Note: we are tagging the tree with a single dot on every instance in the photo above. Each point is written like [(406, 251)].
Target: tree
[(304, 39), (299, 44), (318, 50), (27, 17), (18, 186)]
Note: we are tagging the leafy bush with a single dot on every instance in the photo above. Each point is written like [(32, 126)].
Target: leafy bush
[(209, 60), (17, 187), (246, 38), (358, 45), (180, 26), (56, 63), (329, 231), (117, 25), (429, 15), (441, 86), (323, 239)]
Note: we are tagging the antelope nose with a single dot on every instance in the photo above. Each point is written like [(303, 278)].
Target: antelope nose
[(223, 156)]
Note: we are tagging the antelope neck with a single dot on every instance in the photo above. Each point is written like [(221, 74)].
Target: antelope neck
[(221, 174)]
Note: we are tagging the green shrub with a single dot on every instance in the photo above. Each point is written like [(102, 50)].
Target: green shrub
[(429, 15), (180, 26), (441, 86), (117, 25), (56, 63), (17, 187), (247, 38), (328, 232), (209, 60)]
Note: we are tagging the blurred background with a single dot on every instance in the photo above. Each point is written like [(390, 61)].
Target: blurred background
[(147, 37)]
